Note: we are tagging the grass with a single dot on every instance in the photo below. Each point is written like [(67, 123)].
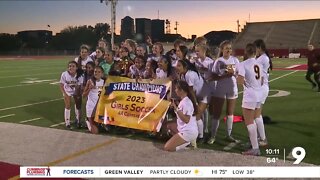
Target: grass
[(295, 117)]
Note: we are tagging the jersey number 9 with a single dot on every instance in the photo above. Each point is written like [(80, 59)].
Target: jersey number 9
[(257, 71)]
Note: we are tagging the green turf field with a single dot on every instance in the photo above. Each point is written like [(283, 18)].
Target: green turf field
[(26, 93)]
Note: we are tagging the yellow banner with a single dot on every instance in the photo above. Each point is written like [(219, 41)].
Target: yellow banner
[(134, 104)]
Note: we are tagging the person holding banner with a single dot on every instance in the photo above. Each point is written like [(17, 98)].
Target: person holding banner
[(186, 121), (137, 69), (92, 90)]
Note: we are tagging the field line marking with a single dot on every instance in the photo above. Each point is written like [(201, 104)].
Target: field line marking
[(34, 119), (31, 104), (55, 125), (82, 152), (31, 69), (230, 146), (277, 78), (283, 76), (7, 115), (74, 155), (2, 77), (3, 87)]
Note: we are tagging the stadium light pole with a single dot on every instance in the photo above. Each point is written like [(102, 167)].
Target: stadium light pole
[(113, 4)]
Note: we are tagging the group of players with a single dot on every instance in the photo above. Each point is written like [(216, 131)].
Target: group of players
[(202, 83)]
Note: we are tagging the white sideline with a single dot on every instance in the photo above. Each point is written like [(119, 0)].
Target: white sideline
[(231, 145), (55, 125), (283, 75), (3, 87), (31, 104), (3, 77), (7, 115), (34, 119)]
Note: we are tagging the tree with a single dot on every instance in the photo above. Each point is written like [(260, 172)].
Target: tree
[(71, 37), (102, 30), (9, 42)]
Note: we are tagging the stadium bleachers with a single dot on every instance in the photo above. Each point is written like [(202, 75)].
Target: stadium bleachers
[(287, 35)]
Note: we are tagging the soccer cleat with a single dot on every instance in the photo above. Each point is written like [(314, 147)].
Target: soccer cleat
[(231, 139), (314, 85), (69, 127), (200, 140), (263, 143), (194, 144), (79, 125), (252, 152), (211, 140)]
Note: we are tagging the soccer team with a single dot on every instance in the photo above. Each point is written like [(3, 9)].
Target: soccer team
[(202, 83)]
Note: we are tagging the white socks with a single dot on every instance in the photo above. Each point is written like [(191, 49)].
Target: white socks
[(229, 124), (88, 124), (200, 128), (205, 117), (67, 116), (260, 127), (77, 112), (252, 130), (182, 146), (214, 127)]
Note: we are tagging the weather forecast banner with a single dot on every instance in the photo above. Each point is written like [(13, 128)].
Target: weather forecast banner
[(134, 104), (168, 172)]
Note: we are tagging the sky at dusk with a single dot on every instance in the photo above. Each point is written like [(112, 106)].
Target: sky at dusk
[(194, 17)]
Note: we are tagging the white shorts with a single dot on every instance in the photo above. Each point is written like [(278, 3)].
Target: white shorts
[(251, 105), (188, 136), (212, 88), (90, 108), (265, 93), (204, 94), (226, 93), (69, 93), (203, 99)]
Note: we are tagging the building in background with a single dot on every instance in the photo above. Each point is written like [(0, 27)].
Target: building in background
[(35, 38), (157, 30), (127, 28), (143, 29)]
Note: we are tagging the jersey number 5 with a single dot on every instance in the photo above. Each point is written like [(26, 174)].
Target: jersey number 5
[(257, 71)]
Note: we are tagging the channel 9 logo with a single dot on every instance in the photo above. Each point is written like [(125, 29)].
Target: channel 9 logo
[(299, 154)]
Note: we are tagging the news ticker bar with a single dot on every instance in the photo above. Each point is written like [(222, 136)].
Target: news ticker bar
[(168, 172)]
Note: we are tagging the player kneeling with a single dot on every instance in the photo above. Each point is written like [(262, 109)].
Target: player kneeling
[(186, 121)]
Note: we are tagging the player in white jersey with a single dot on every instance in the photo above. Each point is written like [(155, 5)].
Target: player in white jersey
[(164, 68), (101, 44), (84, 57), (204, 65), (251, 77), (186, 122), (226, 88), (138, 68), (266, 64), (157, 52), (70, 87), (198, 88), (92, 90)]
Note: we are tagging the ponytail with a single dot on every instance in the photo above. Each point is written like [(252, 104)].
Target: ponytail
[(259, 43), (185, 87)]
